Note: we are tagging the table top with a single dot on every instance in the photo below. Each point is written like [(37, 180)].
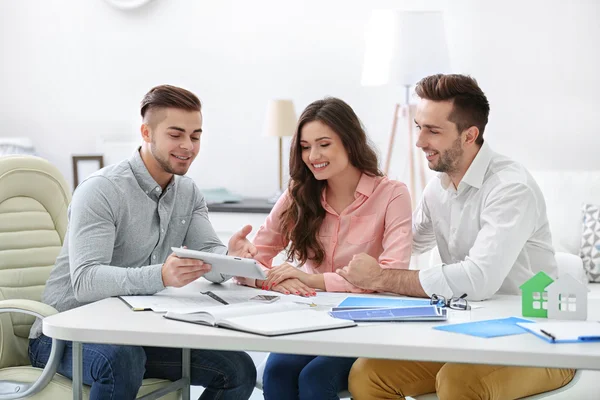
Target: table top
[(247, 205), (111, 321)]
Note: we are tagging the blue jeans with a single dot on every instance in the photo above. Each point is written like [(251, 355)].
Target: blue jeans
[(116, 372), (292, 377)]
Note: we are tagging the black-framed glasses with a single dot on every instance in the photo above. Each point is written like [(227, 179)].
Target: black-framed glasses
[(455, 303)]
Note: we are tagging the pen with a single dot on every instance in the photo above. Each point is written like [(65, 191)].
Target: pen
[(215, 297), (551, 336)]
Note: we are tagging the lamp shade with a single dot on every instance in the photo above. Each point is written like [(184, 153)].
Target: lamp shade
[(280, 119), (403, 47)]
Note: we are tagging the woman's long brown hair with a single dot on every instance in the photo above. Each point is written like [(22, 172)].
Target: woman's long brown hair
[(303, 217)]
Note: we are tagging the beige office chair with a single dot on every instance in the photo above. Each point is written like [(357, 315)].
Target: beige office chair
[(33, 221)]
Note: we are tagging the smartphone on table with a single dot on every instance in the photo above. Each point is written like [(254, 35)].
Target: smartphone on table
[(265, 298)]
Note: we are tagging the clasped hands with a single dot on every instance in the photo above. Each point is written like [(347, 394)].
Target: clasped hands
[(362, 271), (287, 279)]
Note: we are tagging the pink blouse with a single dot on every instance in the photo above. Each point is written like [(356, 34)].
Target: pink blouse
[(378, 222)]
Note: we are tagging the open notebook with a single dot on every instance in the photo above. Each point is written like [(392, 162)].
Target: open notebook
[(264, 319), (565, 331)]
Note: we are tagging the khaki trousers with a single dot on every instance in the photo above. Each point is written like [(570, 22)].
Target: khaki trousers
[(392, 379)]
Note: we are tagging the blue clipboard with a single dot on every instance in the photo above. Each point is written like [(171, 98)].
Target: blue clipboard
[(419, 313), (357, 303)]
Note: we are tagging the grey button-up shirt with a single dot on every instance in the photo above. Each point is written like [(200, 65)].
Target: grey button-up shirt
[(122, 226)]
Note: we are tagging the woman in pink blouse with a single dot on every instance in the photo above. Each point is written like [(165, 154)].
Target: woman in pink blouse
[(338, 205)]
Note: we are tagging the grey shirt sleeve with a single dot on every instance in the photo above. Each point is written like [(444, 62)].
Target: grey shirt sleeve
[(202, 236), (94, 215)]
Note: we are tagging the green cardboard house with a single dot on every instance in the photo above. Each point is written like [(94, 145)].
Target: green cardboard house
[(534, 296)]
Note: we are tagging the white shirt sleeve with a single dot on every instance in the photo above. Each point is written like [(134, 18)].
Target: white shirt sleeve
[(507, 220), (422, 228)]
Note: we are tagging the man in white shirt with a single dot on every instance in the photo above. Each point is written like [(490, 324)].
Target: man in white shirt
[(487, 216)]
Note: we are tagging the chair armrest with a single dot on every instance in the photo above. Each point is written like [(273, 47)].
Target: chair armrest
[(31, 307), (18, 390)]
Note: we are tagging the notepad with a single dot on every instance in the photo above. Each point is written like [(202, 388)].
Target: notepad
[(565, 331), (264, 319), (418, 313), (357, 303), (488, 328)]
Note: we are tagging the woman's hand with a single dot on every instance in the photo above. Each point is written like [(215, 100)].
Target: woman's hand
[(278, 274), (294, 286)]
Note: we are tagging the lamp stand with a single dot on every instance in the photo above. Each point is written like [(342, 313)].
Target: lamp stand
[(408, 116), (280, 164)]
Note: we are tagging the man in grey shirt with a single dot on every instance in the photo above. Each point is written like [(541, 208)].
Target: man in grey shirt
[(123, 221)]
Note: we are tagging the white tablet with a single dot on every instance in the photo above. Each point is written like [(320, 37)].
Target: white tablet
[(226, 265)]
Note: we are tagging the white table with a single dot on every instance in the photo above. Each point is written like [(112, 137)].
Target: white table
[(110, 321)]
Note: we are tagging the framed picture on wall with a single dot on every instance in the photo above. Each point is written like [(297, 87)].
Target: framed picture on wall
[(84, 166)]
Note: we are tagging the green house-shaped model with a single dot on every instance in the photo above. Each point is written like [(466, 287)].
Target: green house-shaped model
[(534, 297)]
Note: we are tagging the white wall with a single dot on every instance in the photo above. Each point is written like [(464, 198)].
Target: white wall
[(73, 71)]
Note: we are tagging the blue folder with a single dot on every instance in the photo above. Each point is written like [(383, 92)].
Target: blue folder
[(418, 313), (487, 328), (357, 303)]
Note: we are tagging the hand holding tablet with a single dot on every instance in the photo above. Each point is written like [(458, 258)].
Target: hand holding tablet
[(178, 272), (226, 265)]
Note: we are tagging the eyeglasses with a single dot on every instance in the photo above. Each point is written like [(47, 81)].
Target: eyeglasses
[(455, 303)]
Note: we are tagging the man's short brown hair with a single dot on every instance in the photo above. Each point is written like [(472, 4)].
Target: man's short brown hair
[(470, 106), (167, 96)]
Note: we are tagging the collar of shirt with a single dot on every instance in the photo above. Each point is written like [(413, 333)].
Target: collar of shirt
[(143, 177), (366, 186), (475, 174)]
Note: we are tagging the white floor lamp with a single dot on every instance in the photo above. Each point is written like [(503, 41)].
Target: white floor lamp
[(402, 47)]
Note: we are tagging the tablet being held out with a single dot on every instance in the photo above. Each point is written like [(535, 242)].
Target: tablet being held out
[(227, 265)]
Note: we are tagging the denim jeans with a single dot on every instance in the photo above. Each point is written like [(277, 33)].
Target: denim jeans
[(116, 372), (292, 377)]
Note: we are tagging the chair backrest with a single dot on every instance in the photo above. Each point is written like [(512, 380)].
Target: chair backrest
[(34, 199)]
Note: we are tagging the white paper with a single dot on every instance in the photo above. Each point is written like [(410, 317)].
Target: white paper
[(162, 303)]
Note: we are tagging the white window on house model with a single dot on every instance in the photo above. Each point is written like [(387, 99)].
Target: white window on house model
[(540, 300)]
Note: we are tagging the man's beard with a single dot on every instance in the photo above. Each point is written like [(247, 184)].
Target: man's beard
[(164, 163), (448, 162)]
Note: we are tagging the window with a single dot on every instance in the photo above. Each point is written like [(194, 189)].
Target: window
[(567, 302), (540, 300)]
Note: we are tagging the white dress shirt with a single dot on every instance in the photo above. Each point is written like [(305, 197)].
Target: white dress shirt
[(492, 231)]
